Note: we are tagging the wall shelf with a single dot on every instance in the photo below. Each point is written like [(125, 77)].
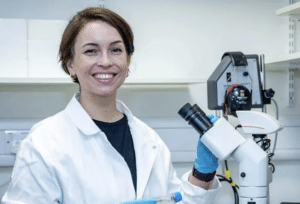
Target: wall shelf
[(7, 160), (129, 81), (285, 62), (291, 10), (165, 81), (282, 62)]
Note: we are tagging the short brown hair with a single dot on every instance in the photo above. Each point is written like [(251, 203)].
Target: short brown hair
[(66, 49)]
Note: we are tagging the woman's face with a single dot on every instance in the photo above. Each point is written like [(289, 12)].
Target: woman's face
[(100, 61)]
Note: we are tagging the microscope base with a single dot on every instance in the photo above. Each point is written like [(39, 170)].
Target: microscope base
[(253, 200)]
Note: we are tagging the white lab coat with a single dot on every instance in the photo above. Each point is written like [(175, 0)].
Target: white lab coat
[(67, 159)]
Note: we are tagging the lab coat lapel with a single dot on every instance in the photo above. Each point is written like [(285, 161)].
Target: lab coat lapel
[(145, 148), (145, 152)]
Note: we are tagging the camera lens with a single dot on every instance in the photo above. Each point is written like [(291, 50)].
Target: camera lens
[(195, 117)]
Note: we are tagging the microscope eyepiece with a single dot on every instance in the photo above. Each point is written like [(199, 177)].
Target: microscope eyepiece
[(184, 111), (195, 117)]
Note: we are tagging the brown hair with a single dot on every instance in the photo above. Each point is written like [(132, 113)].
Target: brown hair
[(66, 49)]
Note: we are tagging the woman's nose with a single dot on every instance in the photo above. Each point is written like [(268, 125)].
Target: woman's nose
[(104, 60)]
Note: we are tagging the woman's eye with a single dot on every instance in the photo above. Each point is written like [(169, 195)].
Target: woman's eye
[(116, 50), (93, 51)]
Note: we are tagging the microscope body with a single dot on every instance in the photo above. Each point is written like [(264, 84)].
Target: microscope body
[(235, 87), (224, 142)]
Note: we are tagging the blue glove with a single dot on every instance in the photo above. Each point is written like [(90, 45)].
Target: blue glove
[(141, 201), (205, 161)]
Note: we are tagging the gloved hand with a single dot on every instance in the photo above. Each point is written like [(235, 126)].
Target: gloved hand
[(206, 161), (141, 201)]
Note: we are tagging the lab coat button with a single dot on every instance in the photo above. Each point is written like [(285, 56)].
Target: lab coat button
[(154, 147)]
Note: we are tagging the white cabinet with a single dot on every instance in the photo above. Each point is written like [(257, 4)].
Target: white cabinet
[(29, 49), (13, 50), (44, 38), (30, 55), (292, 60)]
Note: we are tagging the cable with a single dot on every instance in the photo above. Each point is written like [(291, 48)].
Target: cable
[(226, 165), (228, 179), (270, 157), (277, 116), (238, 126), (235, 192), (228, 176), (236, 196), (266, 144)]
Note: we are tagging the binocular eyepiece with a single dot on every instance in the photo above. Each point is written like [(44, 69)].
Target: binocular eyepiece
[(195, 117)]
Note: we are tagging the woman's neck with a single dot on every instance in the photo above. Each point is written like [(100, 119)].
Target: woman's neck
[(102, 108)]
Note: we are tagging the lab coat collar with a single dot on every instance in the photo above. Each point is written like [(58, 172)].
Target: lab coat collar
[(80, 117), (144, 145), (83, 121)]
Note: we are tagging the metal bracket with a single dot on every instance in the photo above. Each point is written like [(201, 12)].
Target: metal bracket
[(291, 35), (101, 3), (291, 93)]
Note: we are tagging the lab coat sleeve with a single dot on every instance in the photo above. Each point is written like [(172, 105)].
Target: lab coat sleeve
[(32, 182), (193, 194)]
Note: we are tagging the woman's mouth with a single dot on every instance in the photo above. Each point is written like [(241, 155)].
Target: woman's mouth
[(104, 76), (104, 79)]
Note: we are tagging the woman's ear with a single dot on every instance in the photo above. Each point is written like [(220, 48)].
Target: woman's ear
[(128, 59), (70, 67)]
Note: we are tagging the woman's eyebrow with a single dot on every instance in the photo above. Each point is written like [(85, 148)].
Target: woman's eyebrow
[(95, 44), (115, 42)]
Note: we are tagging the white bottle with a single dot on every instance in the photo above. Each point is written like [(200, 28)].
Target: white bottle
[(171, 199)]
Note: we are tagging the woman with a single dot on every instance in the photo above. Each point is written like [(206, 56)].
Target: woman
[(96, 151)]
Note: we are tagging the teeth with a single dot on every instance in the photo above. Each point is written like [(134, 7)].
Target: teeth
[(103, 76)]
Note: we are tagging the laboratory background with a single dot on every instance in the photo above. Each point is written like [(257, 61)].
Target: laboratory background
[(178, 45)]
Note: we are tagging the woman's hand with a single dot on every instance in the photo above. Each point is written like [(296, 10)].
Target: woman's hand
[(206, 163)]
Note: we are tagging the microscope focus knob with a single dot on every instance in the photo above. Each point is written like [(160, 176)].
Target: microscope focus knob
[(243, 174)]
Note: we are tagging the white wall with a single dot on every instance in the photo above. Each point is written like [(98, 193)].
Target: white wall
[(179, 38)]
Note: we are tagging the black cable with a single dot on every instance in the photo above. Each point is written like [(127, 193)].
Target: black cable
[(265, 146), (227, 180), (273, 167), (236, 196), (235, 192), (226, 166), (270, 157), (238, 126)]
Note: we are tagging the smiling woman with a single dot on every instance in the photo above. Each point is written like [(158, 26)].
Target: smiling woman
[(95, 50), (100, 60), (66, 51), (95, 150)]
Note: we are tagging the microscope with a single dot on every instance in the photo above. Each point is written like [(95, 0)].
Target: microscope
[(235, 87)]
